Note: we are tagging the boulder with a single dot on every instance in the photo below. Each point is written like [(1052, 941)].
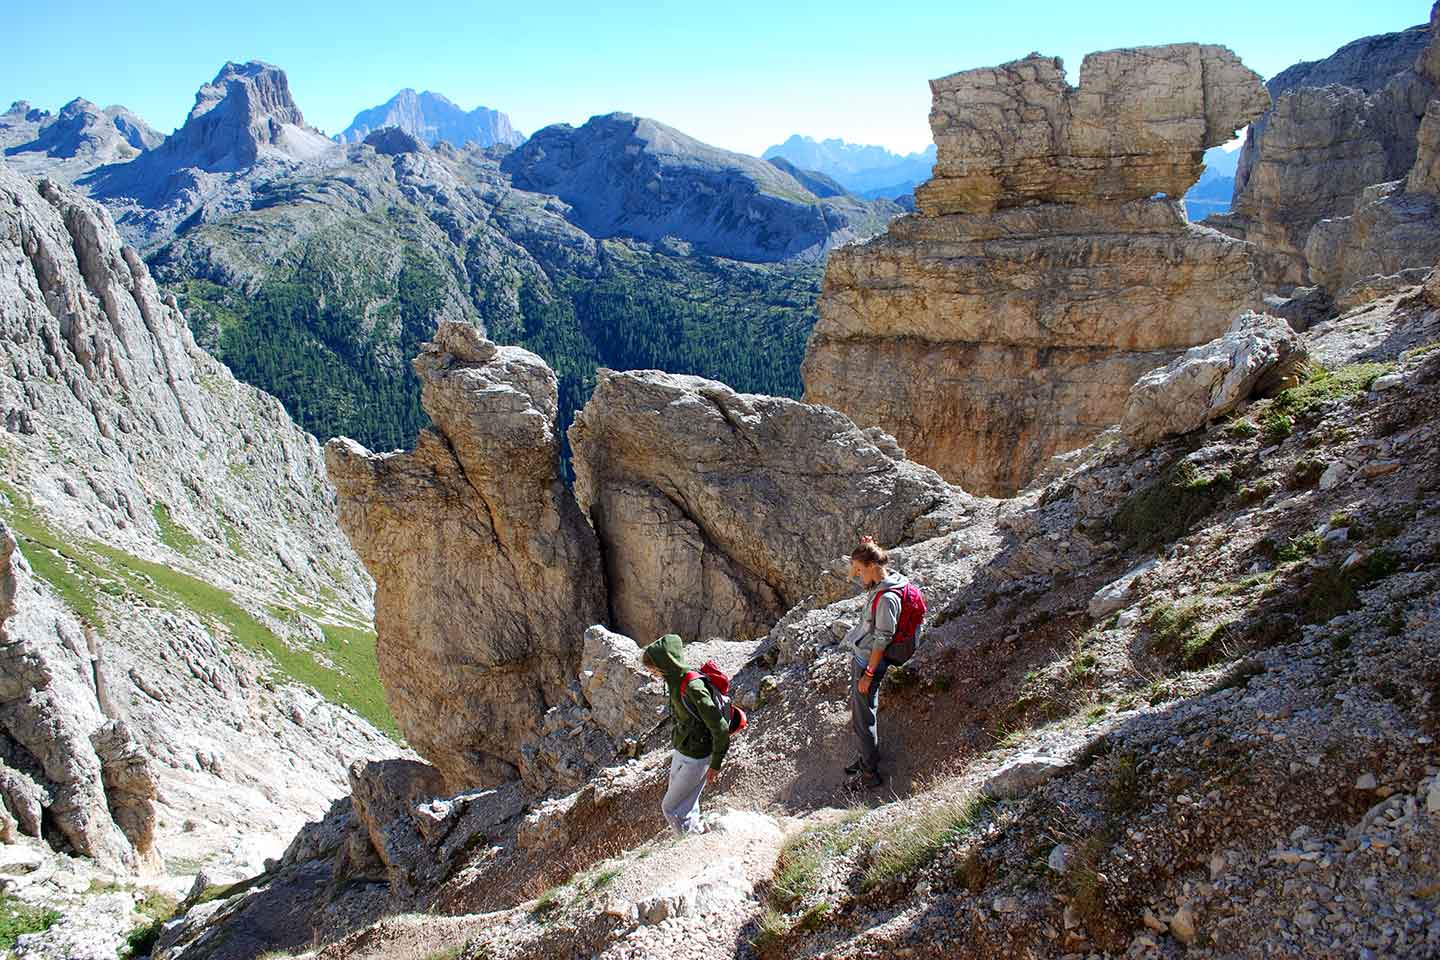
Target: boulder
[(1116, 594), (1007, 321), (1021, 775), (717, 511), (1210, 380), (622, 696), (487, 575)]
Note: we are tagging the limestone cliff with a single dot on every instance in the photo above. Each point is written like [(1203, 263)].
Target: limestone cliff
[(700, 511), (175, 565), (1007, 320), (1338, 126)]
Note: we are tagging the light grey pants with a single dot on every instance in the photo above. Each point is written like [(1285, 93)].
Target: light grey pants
[(681, 805), (863, 708)]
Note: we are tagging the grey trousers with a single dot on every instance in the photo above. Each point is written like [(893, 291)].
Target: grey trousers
[(681, 805), (863, 709)]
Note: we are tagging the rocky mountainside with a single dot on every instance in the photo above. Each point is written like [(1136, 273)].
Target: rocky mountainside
[(1338, 126), (1007, 320), (186, 659), (626, 175), (433, 118), (1177, 699), (863, 169), (75, 141)]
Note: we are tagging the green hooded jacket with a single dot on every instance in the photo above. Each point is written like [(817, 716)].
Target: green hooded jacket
[(691, 737)]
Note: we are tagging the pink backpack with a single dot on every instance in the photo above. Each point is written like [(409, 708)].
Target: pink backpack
[(907, 628)]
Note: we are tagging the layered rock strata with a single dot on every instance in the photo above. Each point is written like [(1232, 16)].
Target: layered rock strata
[(1338, 126), (487, 574), (1137, 125), (718, 511), (1007, 321)]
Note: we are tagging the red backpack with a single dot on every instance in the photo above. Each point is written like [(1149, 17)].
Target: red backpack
[(907, 628), (719, 686)]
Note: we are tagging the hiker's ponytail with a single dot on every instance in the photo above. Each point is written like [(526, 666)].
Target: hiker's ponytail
[(870, 553)]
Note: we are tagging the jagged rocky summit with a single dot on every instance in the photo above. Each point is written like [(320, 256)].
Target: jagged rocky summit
[(433, 118), (1338, 128), (75, 141), (1007, 320), (161, 528), (696, 509)]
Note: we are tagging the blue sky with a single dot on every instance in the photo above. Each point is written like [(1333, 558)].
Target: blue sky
[(740, 74)]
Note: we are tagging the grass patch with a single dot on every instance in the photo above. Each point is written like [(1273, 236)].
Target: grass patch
[(1422, 350), (80, 571), (1333, 591), (919, 838), (1180, 631), (18, 918), (549, 901), (770, 930), (1276, 426), (1320, 386), (173, 535), (1241, 429), (1165, 510), (157, 908)]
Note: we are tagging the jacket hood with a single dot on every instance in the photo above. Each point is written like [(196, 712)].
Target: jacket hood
[(668, 653)]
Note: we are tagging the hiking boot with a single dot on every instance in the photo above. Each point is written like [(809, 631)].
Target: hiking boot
[(872, 780), (855, 768)]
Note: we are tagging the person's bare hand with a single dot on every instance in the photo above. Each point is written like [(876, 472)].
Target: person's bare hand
[(865, 686), (711, 776)]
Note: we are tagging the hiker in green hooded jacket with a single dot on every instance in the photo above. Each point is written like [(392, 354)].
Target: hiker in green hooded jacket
[(700, 745)]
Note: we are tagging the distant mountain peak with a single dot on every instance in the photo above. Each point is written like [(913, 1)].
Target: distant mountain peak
[(246, 111), (433, 118), (864, 169)]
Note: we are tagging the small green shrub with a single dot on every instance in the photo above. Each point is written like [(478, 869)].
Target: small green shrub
[(1167, 509), (1276, 426), (1299, 548), (1241, 429), (1333, 591)]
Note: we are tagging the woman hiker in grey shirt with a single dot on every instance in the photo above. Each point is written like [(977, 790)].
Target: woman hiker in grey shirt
[(867, 641)]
